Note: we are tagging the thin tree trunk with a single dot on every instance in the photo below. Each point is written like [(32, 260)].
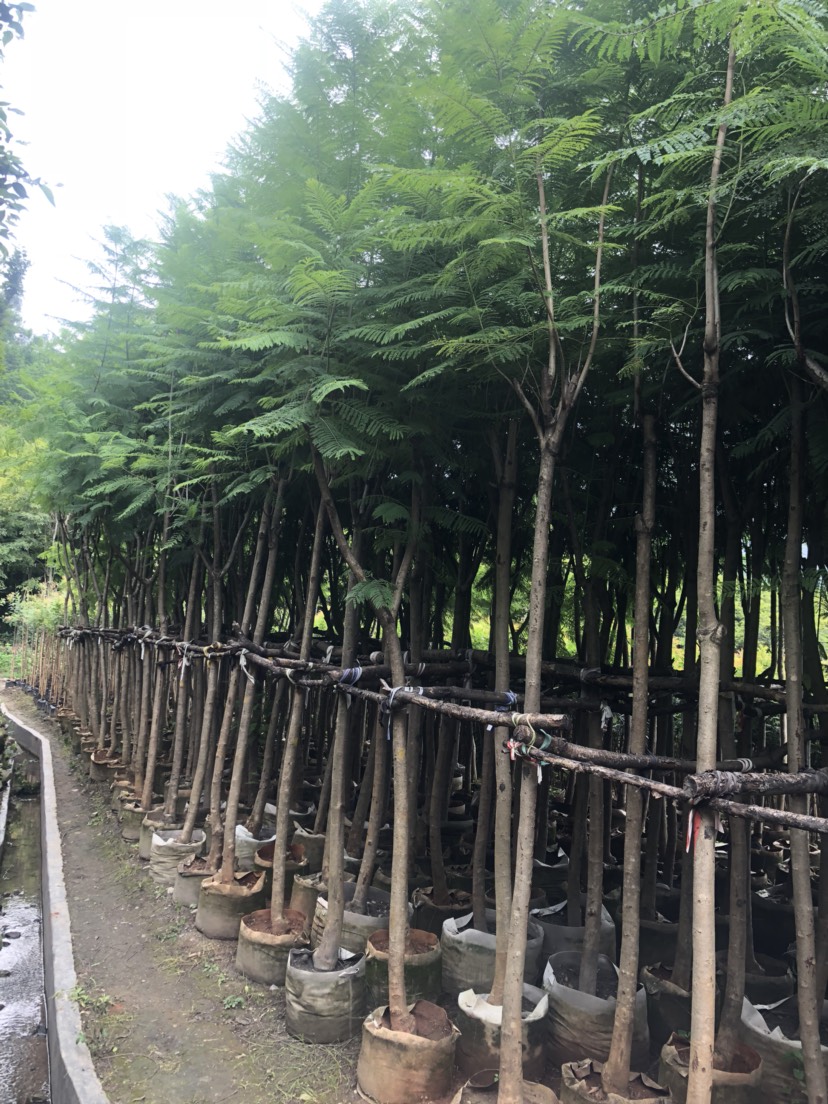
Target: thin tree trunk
[(290, 755), (808, 999), (254, 823), (269, 534), (588, 974), (181, 701), (703, 1008), (511, 1058), (442, 776), (615, 1077), (327, 953), (378, 770), (507, 479)]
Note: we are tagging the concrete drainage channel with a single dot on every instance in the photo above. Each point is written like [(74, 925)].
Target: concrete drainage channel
[(72, 1074)]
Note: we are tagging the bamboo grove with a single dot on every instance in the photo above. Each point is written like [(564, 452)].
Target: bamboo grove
[(479, 403)]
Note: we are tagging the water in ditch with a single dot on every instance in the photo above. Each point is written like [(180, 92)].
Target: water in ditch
[(24, 1069)]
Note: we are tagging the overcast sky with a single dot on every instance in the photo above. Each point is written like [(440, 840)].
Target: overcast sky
[(124, 103)]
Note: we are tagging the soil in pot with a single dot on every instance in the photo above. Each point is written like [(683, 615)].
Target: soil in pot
[(460, 877), (773, 983), (738, 1083), (167, 852), (581, 1081), (429, 916), (580, 1024), (418, 880), (188, 878), (131, 817), (103, 767), (247, 845), (152, 822), (469, 955), (559, 936), (221, 905), (263, 947), (324, 1006), (313, 844), (478, 1090), (781, 1051), (537, 899), (119, 790), (549, 875), (305, 894), (356, 926), (296, 864), (423, 966), (785, 1017), (479, 1023), (668, 1005), (396, 1067)]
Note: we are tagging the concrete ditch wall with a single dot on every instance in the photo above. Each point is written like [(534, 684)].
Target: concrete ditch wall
[(72, 1074)]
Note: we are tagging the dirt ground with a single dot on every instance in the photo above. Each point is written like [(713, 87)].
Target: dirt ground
[(166, 1016)]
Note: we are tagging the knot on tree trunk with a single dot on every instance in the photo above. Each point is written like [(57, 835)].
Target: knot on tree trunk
[(716, 633)]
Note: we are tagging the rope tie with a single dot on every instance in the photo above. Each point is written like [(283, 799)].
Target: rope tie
[(329, 653), (243, 664), (507, 707), (387, 705), (376, 658), (349, 678), (745, 764), (587, 673)]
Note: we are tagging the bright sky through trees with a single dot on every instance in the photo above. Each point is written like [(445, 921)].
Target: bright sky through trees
[(123, 105)]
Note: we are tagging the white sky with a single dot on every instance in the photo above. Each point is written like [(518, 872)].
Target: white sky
[(124, 103)]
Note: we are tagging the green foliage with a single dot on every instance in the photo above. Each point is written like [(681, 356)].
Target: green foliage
[(15, 181), (368, 279), (375, 592), (37, 607)]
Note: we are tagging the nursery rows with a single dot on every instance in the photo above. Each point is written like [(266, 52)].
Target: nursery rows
[(434, 545), (295, 767)]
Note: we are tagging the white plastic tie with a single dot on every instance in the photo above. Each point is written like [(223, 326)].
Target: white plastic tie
[(243, 664), (185, 662)]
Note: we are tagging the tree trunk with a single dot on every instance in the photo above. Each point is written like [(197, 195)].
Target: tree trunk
[(702, 1025), (595, 850), (327, 953), (808, 1000), (442, 776), (511, 1059), (291, 753), (268, 533), (615, 1077), (507, 478), (181, 700)]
